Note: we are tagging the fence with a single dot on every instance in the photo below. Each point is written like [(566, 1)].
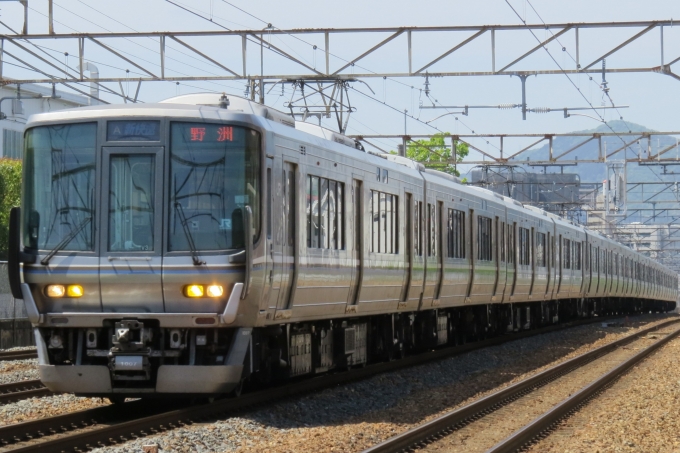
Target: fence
[(15, 330)]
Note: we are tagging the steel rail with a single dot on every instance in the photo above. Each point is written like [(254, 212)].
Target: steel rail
[(21, 390), (18, 355), (543, 423), (448, 422), (146, 420)]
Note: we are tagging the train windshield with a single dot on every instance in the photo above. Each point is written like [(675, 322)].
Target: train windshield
[(214, 174), (59, 196)]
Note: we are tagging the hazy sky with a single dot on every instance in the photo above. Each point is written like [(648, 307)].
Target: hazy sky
[(652, 97)]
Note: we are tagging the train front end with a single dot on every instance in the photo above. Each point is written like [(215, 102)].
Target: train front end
[(133, 247)]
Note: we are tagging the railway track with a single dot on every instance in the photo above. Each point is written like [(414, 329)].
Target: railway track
[(16, 391), (18, 355), (109, 425), (475, 424)]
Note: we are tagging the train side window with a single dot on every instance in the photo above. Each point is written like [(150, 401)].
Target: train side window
[(502, 241), (325, 213), (524, 240), (484, 246), (540, 249), (431, 230), (577, 256), (566, 259), (417, 238), (511, 243), (456, 234), (384, 223)]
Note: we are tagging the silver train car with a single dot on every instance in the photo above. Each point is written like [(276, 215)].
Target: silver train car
[(189, 246)]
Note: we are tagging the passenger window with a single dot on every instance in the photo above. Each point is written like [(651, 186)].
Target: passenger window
[(431, 230), (384, 222), (484, 245), (577, 256), (540, 249), (566, 251), (456, 234), (325, 218), (511, 244), (417, 239), (524, 240)]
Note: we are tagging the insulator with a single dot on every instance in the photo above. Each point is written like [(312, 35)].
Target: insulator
[(507, 106), (541, 110)]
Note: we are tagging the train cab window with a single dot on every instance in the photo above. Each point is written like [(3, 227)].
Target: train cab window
[(214, 174), (384, 225), (577, 256), (484, 239), (540, 249), (325, 213), (59, 186), (524, 246), (456, 234), (566, 252)]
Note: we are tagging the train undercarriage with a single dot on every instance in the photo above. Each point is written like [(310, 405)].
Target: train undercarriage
[(138, 357)]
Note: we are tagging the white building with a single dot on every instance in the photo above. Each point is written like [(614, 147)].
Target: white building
[(34, 99)]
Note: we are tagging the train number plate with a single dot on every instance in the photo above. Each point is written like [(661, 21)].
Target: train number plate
[(129, 363)]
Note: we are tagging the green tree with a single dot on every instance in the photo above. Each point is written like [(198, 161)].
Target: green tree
[(436, 154), (10, 196)]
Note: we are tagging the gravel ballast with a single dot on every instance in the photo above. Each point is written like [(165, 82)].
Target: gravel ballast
[(18, 370), (357, 415), (639, 413)]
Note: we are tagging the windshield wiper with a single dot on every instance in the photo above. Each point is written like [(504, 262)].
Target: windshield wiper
[(64, 242), (187, 233)]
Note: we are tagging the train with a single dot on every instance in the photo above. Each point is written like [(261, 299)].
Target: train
[(192, 246)]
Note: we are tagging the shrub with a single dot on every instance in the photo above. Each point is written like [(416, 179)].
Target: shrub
[(10, 196)]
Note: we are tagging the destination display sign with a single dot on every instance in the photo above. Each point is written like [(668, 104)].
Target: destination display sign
[(133, 131)]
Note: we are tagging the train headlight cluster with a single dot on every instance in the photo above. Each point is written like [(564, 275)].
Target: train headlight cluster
[(57, 291), (215, 291), (195, 291)]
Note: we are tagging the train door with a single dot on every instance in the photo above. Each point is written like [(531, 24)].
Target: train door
[(357, 243), (269, 244), (285, 248), (440, 249), (532, 260), (549, 266), (512, 255), (559, 278), (496, 256), (473, 239), (132, 229), (408, 249)]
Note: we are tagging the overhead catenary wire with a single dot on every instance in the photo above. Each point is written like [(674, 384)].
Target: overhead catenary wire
[(590, 78), (564, 72)]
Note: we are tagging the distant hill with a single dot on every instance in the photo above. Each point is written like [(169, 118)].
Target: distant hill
[(595, 173)]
